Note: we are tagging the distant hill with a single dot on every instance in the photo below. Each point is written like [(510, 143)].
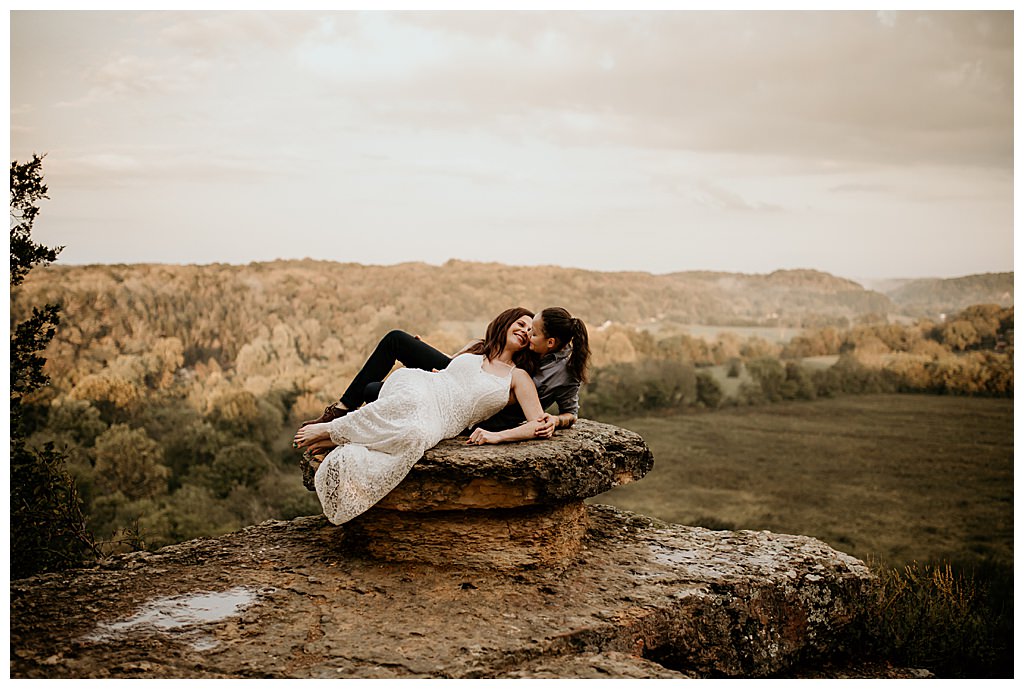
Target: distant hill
[(215, 310), (457, 290), (785, 297), (931, 297)]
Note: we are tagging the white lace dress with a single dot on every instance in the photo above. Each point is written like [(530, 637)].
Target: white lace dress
[(381, 441)]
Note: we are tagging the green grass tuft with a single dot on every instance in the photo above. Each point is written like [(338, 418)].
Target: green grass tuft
[(953, 620)]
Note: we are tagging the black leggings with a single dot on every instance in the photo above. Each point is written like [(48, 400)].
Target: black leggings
[(395, 346)]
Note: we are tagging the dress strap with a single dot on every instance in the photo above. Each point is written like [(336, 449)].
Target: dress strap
[(484, 359)]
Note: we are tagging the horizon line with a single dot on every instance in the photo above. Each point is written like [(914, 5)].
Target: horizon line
[(307, 259)]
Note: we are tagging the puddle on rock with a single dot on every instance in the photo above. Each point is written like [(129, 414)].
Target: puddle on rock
[(183, 616)]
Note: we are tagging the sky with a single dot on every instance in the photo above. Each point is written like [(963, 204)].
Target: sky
[(868, 145)]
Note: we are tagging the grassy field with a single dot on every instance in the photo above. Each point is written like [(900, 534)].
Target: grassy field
[(890, 478)]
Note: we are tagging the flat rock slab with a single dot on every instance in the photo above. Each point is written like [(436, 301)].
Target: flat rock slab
[(577, 463), (295, 600)]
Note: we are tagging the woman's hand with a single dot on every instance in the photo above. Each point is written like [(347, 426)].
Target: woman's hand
[(481, 437), (310, 434), (546, 427)]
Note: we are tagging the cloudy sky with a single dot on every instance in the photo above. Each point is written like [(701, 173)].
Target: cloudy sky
[(864, 144)]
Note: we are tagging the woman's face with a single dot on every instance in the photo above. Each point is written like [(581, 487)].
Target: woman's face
[(519, 334), (539, 341)]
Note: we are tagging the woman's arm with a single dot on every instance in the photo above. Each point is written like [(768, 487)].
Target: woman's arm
[(526, 394), (568, 400), (568, 405)]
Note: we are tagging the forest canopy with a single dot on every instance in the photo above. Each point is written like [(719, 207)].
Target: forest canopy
[(174, 390)]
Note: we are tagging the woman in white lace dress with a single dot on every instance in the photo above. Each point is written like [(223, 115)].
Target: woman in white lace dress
[(380, 442)]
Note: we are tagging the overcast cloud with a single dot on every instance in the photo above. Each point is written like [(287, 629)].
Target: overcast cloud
[(860, 143)]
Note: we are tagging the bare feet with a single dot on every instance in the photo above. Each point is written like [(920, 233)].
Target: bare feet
[(307, 435), (322, 446)]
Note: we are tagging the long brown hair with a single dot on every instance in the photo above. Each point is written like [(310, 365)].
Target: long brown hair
[(497, 336), (559, 324)]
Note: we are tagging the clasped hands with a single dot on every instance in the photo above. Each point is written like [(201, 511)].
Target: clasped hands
[(548, 424)]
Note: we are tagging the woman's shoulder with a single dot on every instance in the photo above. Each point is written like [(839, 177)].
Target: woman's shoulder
[(521, 376)]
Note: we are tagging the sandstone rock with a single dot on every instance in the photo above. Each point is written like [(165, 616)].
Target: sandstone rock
[(502, 506), (577, 463), (494, 539), (640, 599), (484, 562)]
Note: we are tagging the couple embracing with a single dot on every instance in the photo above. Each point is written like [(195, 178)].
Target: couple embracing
[(498, 388)]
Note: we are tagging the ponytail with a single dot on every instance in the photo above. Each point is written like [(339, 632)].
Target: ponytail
[(560, 324)]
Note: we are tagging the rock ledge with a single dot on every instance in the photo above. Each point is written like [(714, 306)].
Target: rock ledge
[(484, 562), (502, 506), (643, 599), (577, 463)]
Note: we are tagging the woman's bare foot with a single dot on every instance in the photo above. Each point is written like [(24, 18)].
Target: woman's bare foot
[(322, 446), (310, 434)]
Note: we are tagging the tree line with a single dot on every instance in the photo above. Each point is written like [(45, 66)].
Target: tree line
[(971, 353)]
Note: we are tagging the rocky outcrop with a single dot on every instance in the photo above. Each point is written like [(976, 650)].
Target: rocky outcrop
[(589, 459), (496, 507), (303, 598)]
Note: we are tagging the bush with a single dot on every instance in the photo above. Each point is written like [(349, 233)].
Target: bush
[(750, 394), (648, 385), (48, 529), (770, 375), (709, 392), (857, 379), (955, 621), (190, 512), (798, 384), (114, 517)]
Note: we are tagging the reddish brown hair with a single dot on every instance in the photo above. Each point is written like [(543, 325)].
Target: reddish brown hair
[(497, 336)]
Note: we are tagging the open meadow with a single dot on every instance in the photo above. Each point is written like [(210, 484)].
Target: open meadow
[(887, 478)]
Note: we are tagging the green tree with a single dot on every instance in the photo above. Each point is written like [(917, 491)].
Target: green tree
[(770, 375), (241, 464), (709, 392), (48, 531), (192, 444), (76, 418), (628, 388), (244, 415), (190, 512), (959, 335), (130, 462), (986, 321), (798, 384)]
